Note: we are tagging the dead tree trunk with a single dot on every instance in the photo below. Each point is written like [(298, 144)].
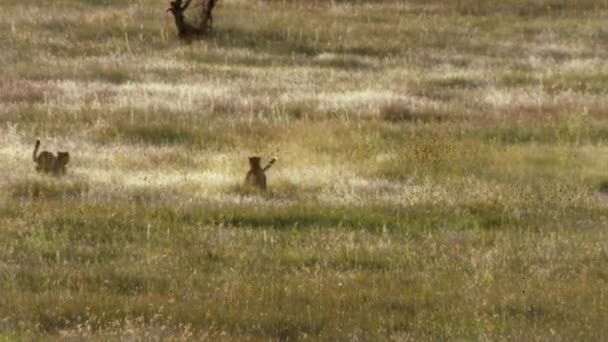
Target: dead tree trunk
[(207, 16), (186, 30)]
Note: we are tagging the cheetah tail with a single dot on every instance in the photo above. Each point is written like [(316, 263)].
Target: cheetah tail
[(35, 154)]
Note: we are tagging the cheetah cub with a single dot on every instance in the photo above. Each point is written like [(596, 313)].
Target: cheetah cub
[(256, 176), (47, 162)]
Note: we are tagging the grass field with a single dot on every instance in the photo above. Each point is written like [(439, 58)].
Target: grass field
[(442, 171)]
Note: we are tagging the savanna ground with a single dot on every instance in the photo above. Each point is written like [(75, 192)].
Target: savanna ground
[(441, 171)]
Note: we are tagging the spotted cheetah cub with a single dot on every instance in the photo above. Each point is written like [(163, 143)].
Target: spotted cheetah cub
[(256, 176), (47, 162)]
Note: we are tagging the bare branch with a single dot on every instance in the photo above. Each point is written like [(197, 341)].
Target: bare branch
[(186, 5), (207, 17)]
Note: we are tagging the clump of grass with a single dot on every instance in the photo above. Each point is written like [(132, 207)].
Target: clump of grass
[(245, 190), (339, 61), (156, 134), (285, 189), (546, 134), (361, 260), (115, 76), (397, 111), (272, 37), (453, 83), (603, 186), (521, 135), (48, 187), (596, 83), (300, 109), (535, 8), (276, 191), (21, 92), (517, 78)]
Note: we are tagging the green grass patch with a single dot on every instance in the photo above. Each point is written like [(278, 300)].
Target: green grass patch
[(151, 134), (441, 171), (48, 188), (595, 83)]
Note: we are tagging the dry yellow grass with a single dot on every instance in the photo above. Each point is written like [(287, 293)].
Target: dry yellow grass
[(441, 172)]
